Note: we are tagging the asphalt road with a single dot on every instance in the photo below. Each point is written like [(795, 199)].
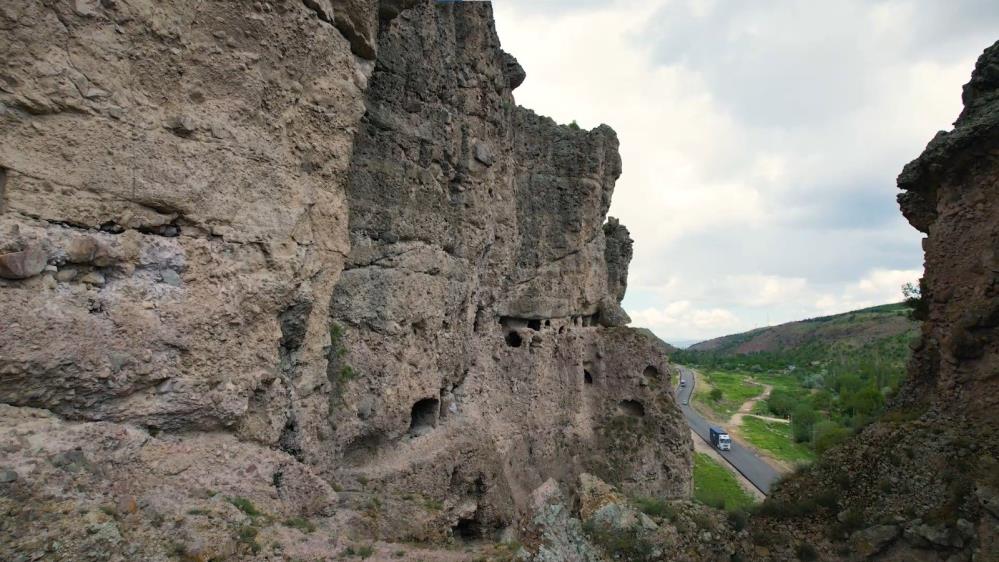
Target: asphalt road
[(755, 469)]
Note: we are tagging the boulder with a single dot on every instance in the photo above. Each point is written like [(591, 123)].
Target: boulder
[(24, 264), (873, 540), (611, 315), (989, 499), (512, 71)]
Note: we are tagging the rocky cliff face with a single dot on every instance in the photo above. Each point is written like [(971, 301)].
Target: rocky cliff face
[(477, 311), (921, 484), (254, 253)]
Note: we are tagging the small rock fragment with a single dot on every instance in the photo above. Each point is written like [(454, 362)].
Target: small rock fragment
[(7, 476), (873, 540), (484, 154), (93, 278), (81, 250), (181, 125), (170, 277)]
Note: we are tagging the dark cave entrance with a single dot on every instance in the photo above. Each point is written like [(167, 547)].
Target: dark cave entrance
[(587, 377), (467, 530), (632, 408), (534, 325), (424, 416), (513, 339)]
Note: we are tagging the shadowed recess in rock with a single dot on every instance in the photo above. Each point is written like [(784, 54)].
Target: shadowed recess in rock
[(424, 416), (632, 408)]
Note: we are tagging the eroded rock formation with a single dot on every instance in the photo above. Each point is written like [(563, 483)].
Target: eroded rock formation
[(253, 253)]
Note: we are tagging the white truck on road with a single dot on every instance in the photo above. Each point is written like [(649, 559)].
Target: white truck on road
[(720, 439)]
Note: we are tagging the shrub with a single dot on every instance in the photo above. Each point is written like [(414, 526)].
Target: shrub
[(246, 506), (247, 535), (852, 520), (827, 435), (802, 421), (781, 403), (360, 551), (807, 552), (653, 507), (919, 308), (620, 544), (300, 523), (827, 498), (737, 519), (716, 394), (783, 509)]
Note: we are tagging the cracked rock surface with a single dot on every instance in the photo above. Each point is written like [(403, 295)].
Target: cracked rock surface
[(263, 251)]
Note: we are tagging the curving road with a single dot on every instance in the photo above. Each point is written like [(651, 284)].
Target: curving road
[(755, 469)]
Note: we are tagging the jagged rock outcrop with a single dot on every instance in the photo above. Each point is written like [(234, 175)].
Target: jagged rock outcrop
[(921, 483), (253, 253), (474, 368)]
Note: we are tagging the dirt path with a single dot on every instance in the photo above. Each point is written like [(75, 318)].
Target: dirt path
[(735, 422), (701, 447), (748, 405)]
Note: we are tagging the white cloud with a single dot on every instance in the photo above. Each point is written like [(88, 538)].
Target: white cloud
[(879, 286), (760, 140), (680, 317)]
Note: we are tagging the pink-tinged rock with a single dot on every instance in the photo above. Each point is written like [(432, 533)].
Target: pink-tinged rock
[(22, 265)]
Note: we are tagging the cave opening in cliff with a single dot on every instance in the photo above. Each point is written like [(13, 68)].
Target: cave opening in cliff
[(513, 339), (651, 373), (632, 408), (534, 325), (424, 416), (467, 529), (587, 377)]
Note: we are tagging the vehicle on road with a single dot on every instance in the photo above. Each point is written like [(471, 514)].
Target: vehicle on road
[(683, 382), (685, 401), (720, 439)]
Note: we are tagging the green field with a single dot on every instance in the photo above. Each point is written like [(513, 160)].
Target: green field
[(735, 391), (714, 485), (775, 438)]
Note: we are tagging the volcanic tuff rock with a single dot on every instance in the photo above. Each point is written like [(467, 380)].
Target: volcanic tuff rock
[(259, 252)]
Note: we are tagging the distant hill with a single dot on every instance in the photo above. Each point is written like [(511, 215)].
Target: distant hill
[(851, 329)]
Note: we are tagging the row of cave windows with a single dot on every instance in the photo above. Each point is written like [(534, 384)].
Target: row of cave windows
[(426, 411), (513, 339), (650, 372)]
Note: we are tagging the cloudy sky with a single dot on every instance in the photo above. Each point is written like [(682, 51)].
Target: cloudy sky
[(761, 140)]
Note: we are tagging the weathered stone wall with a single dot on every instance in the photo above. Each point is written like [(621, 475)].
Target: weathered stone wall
[(270, 249), (476, 283)]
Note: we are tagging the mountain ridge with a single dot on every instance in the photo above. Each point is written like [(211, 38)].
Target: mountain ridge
[(876, 322)]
